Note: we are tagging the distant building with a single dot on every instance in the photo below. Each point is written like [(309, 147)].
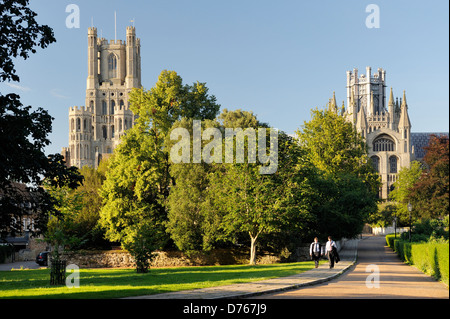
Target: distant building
[(385, 126), (114, 68)]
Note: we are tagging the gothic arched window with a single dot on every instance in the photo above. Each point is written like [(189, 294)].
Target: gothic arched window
[(393, 165), (105, 133), (112, 66), (113, 104), (383, 143), (375, 163), (104, 108)]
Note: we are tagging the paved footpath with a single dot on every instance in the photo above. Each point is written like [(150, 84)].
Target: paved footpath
[(397, 280), (246, 290)]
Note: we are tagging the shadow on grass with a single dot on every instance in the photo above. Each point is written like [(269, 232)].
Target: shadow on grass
[(116, 283)]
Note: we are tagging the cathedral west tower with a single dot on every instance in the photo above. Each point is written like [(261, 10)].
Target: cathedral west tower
[(114, 68)]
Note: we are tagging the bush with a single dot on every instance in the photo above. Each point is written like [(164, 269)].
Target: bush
[(403, 249), (390, 240), (442, 253), (431, 258)]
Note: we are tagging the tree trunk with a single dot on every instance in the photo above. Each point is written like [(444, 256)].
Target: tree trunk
[(253, 250)]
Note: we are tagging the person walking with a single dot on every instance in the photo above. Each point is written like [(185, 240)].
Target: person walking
[(315, 251), (330, 252)]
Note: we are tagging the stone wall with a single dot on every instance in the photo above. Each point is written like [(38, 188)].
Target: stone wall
[(122, 258)]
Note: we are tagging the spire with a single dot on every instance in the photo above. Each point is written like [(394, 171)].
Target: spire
[(333, 106), (391, 110), (361, 122), (404, 100), (391, 99), (334, 99), (404, 117)]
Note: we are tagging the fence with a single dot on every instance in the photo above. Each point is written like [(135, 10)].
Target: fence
[(58, 272)]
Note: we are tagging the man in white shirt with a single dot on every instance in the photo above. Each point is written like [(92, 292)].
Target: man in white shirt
[(329, 251), (315, 251)]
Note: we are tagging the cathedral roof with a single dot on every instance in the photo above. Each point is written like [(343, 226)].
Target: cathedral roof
[(420, 140)]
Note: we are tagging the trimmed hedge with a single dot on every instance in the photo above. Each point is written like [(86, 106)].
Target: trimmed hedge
[(390, 240), (430, 257)]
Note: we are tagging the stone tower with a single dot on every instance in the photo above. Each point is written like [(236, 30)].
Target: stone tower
[(386, 127), (114, 68)]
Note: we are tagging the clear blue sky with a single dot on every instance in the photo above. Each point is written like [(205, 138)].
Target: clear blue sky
[(276, 58)]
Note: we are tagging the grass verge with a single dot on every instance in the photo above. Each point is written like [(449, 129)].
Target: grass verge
[(116, 283)]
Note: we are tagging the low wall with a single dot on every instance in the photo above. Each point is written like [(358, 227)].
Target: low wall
[(388, 230), (122, 258)]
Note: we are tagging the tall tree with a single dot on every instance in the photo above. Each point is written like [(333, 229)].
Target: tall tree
[(189, 227), (23, 132), (430, 194), (407, 178), (334, 146), (346, 184), (138, 179), (249, 203)]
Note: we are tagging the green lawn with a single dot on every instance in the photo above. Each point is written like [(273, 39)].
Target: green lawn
[(116, 283)]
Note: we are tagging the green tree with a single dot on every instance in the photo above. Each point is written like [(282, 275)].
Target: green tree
[(138, 179), (384, 216), (346, 183), (20, 35), (188, 225), (407, 178), (430, 193), (334, 146), (60, 185), (133, 193), (340, 205), (85, 218), (247, 202), (23, 132)]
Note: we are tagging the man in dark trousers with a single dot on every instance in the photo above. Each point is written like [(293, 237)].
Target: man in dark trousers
[(315, 251), (331, 251)]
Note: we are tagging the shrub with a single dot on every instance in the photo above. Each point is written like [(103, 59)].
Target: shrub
[(442, 257), (390, 240), (431, 258)]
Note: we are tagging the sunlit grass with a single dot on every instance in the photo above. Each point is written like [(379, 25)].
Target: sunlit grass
[(116, 283)]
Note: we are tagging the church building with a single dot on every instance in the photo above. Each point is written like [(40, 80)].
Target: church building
[(384, 123), (114, 68)]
